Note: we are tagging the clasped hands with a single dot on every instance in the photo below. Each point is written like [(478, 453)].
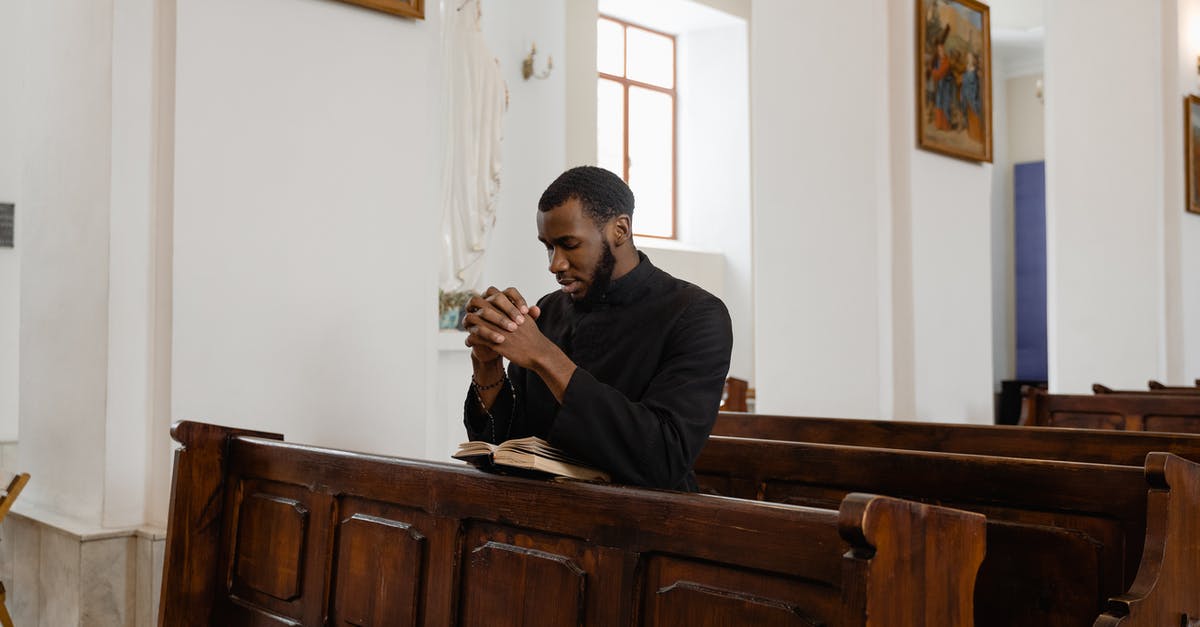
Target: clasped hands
[(502, 324)]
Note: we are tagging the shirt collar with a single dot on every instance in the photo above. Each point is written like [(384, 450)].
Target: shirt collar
[(627, 289)]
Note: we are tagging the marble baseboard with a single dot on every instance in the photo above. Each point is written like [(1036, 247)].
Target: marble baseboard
[(59, 576)]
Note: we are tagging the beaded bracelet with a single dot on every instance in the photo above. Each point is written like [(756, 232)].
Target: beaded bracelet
[(489, 386)]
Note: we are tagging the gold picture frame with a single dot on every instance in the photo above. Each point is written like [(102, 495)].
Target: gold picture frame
[(404, 8), (954, 78), (1191, 143)]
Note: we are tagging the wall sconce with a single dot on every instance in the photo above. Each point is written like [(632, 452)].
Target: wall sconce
[(527, 71)]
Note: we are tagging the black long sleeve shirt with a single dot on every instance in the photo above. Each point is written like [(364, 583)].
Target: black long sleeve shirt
[(652, 356)]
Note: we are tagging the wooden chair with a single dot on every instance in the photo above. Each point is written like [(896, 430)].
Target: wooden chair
[(6, 502), (734, 396)]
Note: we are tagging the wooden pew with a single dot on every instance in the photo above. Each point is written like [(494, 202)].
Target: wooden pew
[(1128, 448), (263, 532), (1155, 385), (1063, 537), (1151, 391), (1123, 412)]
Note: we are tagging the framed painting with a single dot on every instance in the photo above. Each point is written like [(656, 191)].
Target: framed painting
[(954, 78), (1191, 143), (406, 8)]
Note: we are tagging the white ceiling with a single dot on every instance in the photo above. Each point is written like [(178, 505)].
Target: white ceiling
[(1018, 35)]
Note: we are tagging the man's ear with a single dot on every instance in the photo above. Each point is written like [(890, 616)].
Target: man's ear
[(620, 229)]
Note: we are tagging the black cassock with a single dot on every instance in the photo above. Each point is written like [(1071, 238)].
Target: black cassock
[(652, 356)]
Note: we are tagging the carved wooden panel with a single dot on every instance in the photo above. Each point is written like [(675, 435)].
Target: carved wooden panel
[(377, 572), (513, 586), (275, 561), (681, 592), (269, 557)]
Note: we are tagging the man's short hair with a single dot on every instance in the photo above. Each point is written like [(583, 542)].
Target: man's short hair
[(602, 194)]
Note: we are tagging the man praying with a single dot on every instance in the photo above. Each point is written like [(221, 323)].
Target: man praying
[(622, 367)]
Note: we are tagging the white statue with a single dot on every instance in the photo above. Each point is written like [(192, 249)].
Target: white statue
[(476, 99)]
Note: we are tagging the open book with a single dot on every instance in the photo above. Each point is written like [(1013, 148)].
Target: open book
[(530, 453)]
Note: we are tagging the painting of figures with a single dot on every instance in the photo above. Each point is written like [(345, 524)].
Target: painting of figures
[(403, 8), (954, 78), (1192, 154)]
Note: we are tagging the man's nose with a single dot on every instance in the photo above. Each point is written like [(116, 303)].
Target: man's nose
[(558, 262)]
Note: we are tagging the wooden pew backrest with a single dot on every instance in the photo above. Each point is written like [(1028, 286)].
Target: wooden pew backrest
[(1124, 412), (1128, 448), (1062, 536), (1156, 385), (1159, 391), (263, 532)]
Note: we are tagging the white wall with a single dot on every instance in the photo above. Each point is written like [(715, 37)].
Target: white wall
[(307, 168), (12, 77), (1181, 229), (714, 171), (1104, 193), (818, 144), (534, 139), (1026, 119), (873, 259), (1001, 230)]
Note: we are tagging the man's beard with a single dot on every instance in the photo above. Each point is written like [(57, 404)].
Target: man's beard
[(601, 276)]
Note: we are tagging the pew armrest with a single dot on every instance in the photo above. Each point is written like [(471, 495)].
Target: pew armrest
[(1164, 591), (893, 539)]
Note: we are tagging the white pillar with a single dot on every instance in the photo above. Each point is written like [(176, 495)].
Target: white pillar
[(819, 146), (1105, 159), (87, 281)]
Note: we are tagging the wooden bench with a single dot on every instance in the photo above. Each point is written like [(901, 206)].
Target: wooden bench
[(1063, 537), (263, 532), (1127, 448), (1155, 385), (1123, 412), (1151, 391)]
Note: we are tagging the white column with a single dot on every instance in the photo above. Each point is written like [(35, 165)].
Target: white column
[(12, 57), (131, 263), (66, 100), (1105, 193), (1182, 230), (818, 145)]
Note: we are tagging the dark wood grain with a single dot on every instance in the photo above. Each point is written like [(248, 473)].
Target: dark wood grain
[(1081, 445), (386, 541), (190, 570), (1063, 537)]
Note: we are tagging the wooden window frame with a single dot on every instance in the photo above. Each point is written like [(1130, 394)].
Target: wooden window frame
[(672, 92)]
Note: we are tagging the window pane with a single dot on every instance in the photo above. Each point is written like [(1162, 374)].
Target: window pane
[(651, 138), (610, 126), (651, 58), (610, 47)]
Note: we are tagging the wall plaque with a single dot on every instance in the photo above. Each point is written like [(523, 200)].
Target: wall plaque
[(6, 225)]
